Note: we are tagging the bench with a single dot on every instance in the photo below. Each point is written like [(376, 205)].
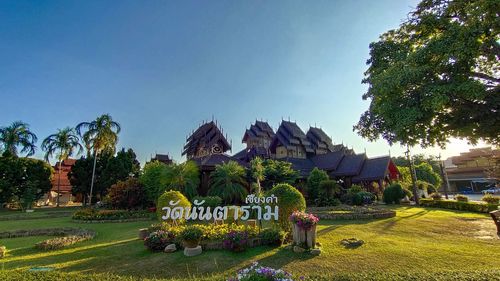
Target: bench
[(495, 215)]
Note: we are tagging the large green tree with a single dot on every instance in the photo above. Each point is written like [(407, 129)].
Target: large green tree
[(436, 76), (63, 144), (184, 177), (228, 182), (120, 167), (313, 183), (16, 135), (99, 135), (276, 171), (154, 178)]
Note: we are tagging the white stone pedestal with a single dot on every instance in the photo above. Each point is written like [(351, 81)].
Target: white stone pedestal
[(190, 252), (302, 237)]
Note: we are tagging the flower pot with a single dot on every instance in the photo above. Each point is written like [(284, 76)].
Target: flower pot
[(191, 243), (303, 237)]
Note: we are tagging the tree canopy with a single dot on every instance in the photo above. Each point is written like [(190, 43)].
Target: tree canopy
[(228, 182), (436, 76), (276, 171), (16, 135)]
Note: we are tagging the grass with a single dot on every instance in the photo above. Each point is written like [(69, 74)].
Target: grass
[(416, 240)]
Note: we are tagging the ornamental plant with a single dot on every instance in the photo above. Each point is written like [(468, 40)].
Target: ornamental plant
[(274, 237), (158, 240), (303, 220), (191, 234), (436, 196), (461, 198), (236, 241), (490, 199), (165, 199), (261, 273), (289, 200)]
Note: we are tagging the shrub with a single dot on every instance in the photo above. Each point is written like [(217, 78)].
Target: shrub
[(461, 198), (127, 194), (165, 199), (456, 205), (210, 201), (363, 198), (326, 202), (209, 231), (330, 188), (191, 233), (348, 198), (431, 188), (303, 220), (316, 176), (289, 201), (355, 189), (103, 215), (60, 242), (236, 241), (158, 240), (393, 194), (436, 196), (490, 199), (271, 236)]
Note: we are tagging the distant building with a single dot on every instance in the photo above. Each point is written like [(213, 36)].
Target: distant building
[(163, 158), (60, 184), (476, 169), (207, 146)]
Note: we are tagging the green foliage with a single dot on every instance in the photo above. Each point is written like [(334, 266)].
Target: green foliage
[(491, 199), (461, 198), (210, 201), (184, 177), (272, 236), (462, 206), (363, 198), (154, 179), (89, 214), (436, 196), (393, 194), (257, 174), (165, 199), (128, 194), (209, 231), (100, 134), (228, 182), (289, 201), (436, 76), (17, 135), (313, 183), (62, 144), (425, 173), (276, 171), (330, 188), (157, 240), (61, 242), (23, 180), (119, 168), (191, 233), (408, 193), (323, 201)]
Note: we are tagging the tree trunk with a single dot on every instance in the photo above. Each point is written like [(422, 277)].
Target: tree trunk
[(92, 182), (59, 184)]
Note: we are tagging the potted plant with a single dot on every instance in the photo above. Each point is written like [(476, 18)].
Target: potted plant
[(274, 237), (191, 236), (304, 228), (236, 241)]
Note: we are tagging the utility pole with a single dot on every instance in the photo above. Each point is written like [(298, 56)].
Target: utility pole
[(446, 183), (413, 176)]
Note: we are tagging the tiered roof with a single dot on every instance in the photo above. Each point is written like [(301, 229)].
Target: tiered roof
[(259, 130), (163, 158), (206, 136), (290, 135), (376, 168), (320, 140)]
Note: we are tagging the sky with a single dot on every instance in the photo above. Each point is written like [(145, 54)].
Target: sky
[(161, 68)]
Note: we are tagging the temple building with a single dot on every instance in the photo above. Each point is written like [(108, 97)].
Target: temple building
[(207, 146), (60, 185), (163, 158)]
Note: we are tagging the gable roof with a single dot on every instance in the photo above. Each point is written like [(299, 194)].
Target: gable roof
[(206, 135), (373, 169), (260, 129), (247, 154), (350, 165), (319, 139), (329, 161), (290, 135), (302, 165)]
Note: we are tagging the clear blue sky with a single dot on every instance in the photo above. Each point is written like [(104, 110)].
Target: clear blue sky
[(161, 67)]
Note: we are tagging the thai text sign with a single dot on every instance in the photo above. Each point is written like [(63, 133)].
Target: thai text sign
[(199, 212)]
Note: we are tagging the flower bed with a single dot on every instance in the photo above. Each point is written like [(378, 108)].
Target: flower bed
[(61, 242), (346, 212), (457, 205), (92, 215), (257, 272)]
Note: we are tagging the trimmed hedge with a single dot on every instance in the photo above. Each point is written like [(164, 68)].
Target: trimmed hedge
[(110, 215), (289, 201), (166, 198), (457, 205), (490, 275)]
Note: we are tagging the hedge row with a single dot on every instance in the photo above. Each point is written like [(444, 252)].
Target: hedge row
[(486, 275), (457, 205), (110, 215)]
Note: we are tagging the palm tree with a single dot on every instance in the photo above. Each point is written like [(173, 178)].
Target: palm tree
[(184, 177), (18, 134), (257, 173), (228, 182), (62, 144), (99, 135)]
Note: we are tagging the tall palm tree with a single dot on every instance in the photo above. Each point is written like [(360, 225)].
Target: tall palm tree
[(62, 144), (99, 135), (18, 134), (228, 182)]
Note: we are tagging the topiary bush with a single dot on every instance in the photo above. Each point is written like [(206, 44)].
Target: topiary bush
[(210, 201), (174, 196), (393, 194), (461, 198), (289, 201), (490, 199), (363, 198)]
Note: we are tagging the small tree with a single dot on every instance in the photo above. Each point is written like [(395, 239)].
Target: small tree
[(154, 179), (128, 194), (313, 183), (228, 182), (330, 187), (276, 171)]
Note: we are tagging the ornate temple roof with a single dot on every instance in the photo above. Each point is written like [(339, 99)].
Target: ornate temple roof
[(163, 158), (259, 130), (290, 135), (350, 165), (377, 168), (319, 139), (205, 137)]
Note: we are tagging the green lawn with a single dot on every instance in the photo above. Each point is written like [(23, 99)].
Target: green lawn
[(417, 239)]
